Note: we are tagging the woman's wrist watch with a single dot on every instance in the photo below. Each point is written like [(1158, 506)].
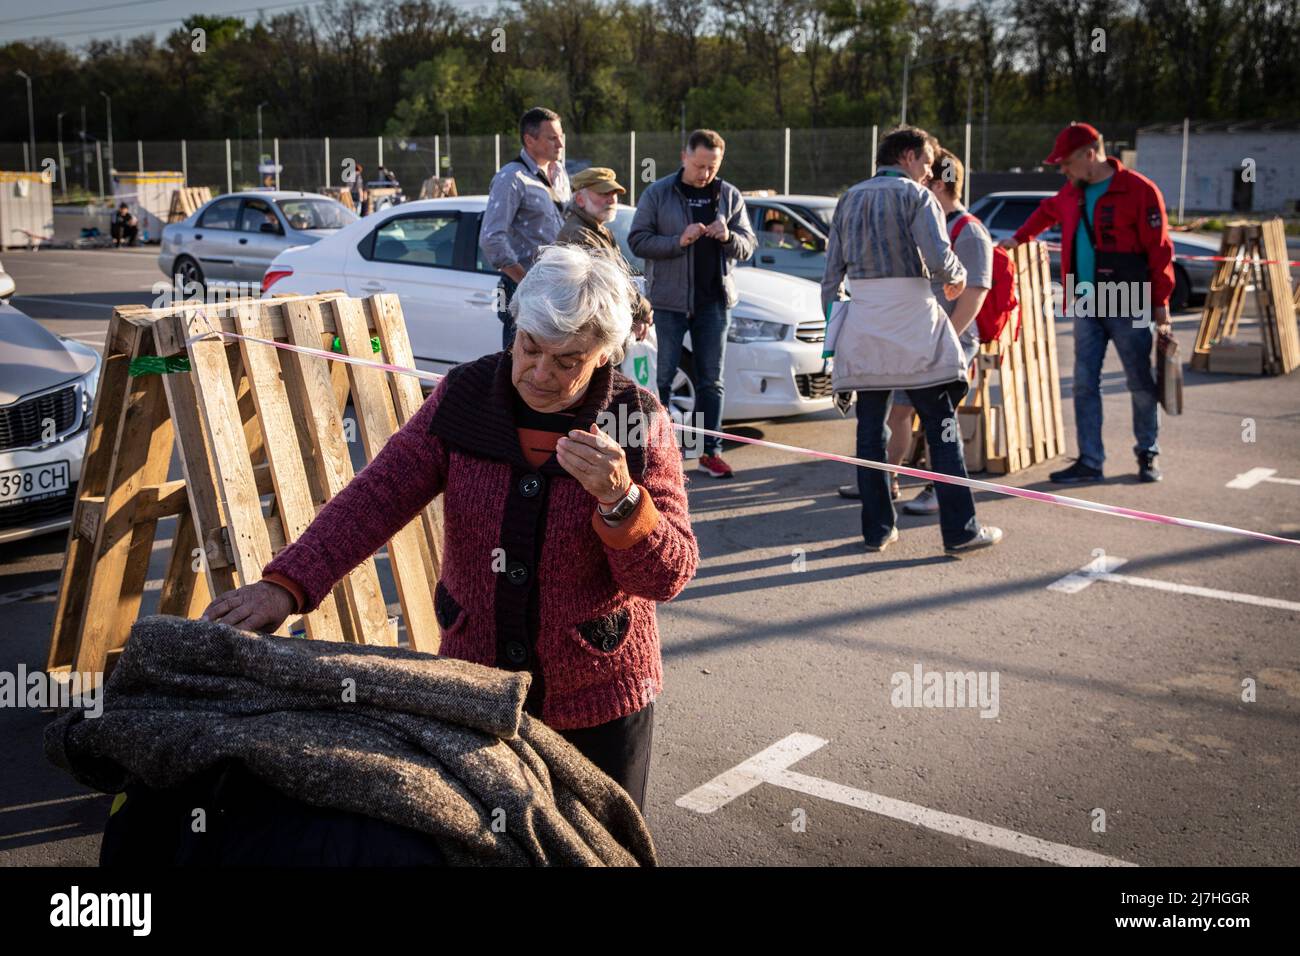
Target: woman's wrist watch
[(616, 512)]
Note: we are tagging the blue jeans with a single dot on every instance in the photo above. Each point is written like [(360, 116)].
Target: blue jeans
[(937, 406), (1134, 348), (708, 328)]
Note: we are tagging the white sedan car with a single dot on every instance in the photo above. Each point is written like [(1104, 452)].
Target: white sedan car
[(427, 252)]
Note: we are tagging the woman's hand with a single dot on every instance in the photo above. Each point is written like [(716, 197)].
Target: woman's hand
[(261, 606), (597, 461)]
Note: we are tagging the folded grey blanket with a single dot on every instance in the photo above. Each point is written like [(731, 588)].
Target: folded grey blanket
[(438, 745)]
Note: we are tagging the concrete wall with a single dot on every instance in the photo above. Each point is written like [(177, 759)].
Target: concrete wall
[(1214, 159)]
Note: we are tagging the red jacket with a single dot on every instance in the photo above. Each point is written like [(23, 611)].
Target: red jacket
[(1129, 217)]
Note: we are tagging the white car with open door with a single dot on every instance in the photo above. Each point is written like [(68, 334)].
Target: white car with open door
[(427, 252)]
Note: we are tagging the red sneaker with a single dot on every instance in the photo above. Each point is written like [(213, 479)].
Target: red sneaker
[(715, 466)]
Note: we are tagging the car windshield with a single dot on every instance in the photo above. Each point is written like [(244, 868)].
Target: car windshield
[(1012, 214), (820, 215), (316, 213), (620, 227)]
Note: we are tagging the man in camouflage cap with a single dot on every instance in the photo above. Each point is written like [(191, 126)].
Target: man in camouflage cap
[(594, 203)]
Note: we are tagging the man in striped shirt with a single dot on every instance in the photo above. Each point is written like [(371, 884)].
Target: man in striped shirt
[(888, 237)]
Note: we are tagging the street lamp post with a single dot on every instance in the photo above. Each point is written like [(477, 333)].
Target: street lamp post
[(85, 153), (907, 62), (109, 100), (63, 178), (259, 130), (31, 119)]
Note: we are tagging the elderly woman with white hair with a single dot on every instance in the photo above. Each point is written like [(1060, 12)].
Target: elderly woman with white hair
[(559, 538)]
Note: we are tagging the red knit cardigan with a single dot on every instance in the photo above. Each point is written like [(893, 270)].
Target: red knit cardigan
[(532, 579)]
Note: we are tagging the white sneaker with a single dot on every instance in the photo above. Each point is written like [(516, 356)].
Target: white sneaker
[(926, 503), (987, 537), (877, 548)]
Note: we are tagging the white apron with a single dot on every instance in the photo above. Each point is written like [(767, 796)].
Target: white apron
[(894, 335)]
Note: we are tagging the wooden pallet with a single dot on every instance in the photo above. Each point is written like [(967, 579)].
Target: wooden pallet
[(341, 194), (1243, 243), (262, 445), (1023, 422), (186, 200)]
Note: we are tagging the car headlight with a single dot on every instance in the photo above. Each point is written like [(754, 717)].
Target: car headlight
[(755, 330), (89, 383)]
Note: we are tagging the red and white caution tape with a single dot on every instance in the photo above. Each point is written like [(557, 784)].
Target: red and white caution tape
[(972, 483), (977, 485)]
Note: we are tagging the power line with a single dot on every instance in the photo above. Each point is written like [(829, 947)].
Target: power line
[(300, 4), (98, 9)]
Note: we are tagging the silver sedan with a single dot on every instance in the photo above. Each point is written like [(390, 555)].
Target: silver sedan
[(233, 238)]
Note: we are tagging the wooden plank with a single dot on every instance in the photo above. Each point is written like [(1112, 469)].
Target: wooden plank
[(236, 486), (1284, 312), (1035, 443), (199, 471), (385, 313), (288, 473), (1046, 372), (107, 419), (302, 402), (123, 545), (1010, 379), (196, 318), (1219, 300), (360, 591), (1053, 366), (987, 363), (377, 421)]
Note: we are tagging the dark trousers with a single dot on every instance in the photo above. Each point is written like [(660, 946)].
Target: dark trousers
[(508, 286), (936, 405), (121, 232), (1132, 340), (708, 327), (621, 748)]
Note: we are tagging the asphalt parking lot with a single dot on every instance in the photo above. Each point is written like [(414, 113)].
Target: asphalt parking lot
[(778, 741)]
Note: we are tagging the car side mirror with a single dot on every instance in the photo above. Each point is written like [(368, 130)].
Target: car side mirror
[(270, 227)]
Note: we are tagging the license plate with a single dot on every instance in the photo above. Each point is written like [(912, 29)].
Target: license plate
[(34, 482)]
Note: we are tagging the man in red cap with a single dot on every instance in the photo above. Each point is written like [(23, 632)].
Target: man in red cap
[(1117, 272)]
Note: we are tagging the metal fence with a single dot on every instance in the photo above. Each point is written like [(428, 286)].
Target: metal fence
[(820, 161)]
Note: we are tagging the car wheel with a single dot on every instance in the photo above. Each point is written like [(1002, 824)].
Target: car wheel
[(1182, 290), (189, 272), (681, 400)]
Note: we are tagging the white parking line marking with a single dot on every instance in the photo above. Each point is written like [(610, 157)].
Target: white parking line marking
[(772, 766), (1250, 479), (28, 593), (1102, 568), (50, 803)]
